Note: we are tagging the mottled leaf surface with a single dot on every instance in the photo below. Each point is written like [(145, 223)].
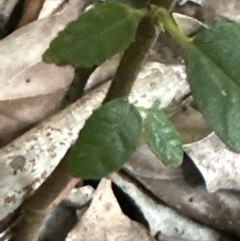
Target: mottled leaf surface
[(163, 138)]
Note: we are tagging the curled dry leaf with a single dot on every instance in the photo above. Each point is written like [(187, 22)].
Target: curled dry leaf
[(183, 189), (161, 218), (30, 89), (144, 163), (22, 73), (40, 150), (186, 24), (218, 165), (18, 116), (105, 217)]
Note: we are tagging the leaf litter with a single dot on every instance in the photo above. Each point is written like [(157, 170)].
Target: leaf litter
[(204, 198)]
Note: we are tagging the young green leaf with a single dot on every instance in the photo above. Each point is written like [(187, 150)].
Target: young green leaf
[(107, 140), (96, 35), (163, 138), (213, 71)]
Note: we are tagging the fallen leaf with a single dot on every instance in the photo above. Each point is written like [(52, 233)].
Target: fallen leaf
[(160, 217), (32, 90), (31, 10), (186, 24), (183, 190), (22, 73), (17, 116), (104, 220), (219, 166)]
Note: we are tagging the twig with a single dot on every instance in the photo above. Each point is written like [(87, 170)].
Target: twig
[(34, 209), (132, 60)]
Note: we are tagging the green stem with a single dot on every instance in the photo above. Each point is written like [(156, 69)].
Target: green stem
[(168, 23)]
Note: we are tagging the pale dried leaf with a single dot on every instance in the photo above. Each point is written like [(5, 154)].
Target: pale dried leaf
[(22, 72), (221, 9), (40, 150), (104, 220), (103, 73), (161, 218), (17, 116), (183, 189), (219, 166), (39, 79), (35, 89), (144, 163), (186, 24), (182, 2), (51, 6)]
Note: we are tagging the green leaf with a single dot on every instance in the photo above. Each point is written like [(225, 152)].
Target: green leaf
[(213, 70), (96, 35), (163, 139), (107, 140)]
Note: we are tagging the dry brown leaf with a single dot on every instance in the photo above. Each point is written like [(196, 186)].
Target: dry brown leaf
[(161, 218), (22, 72), (183, 189), (31, 11), (144, 163), (104, 220), (31, 90), (186, 24), (17, 116), (40, 150), (219, 166)]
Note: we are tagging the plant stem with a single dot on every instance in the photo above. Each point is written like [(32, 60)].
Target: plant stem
[(34, 208), (132, 60), (166, 19)]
